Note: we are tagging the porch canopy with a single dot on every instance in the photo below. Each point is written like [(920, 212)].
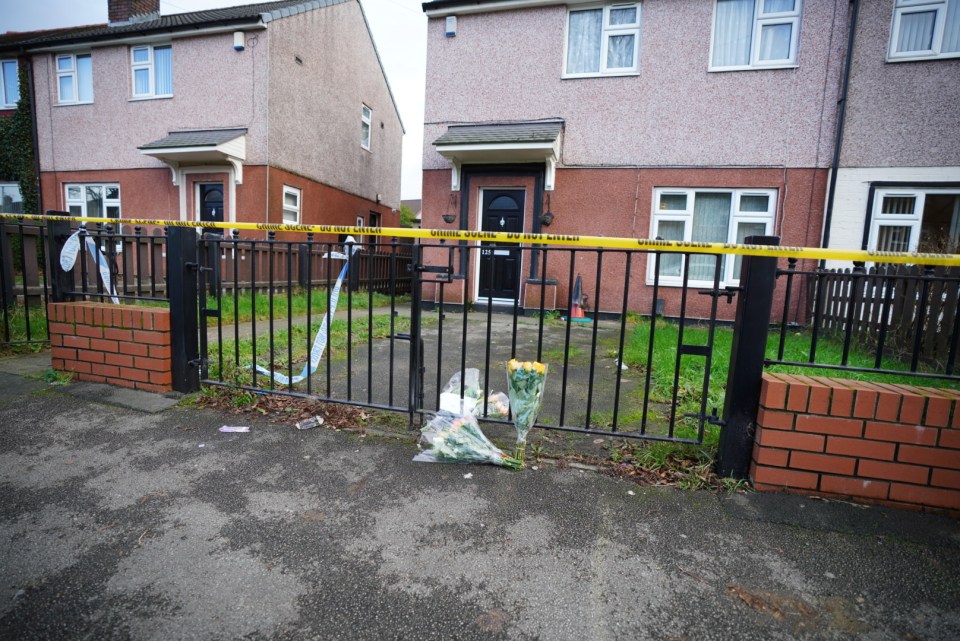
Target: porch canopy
[(515, 142), (200, 147)]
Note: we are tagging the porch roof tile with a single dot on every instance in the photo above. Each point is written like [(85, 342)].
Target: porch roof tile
[(198, 138), (515, 132)]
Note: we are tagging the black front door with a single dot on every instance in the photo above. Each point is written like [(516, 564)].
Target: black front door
[(502, 210), (211, 205)]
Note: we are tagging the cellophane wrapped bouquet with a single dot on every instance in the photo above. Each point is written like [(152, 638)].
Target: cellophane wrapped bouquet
[(525, 387), (471, 399), (458, 439)]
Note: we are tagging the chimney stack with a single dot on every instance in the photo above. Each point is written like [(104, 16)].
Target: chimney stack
[(123, 11)]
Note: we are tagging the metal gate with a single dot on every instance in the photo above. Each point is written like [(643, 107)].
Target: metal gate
[(401, 319)]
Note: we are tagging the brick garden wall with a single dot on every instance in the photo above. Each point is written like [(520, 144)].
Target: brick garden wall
[(117, 344), (892, 444)]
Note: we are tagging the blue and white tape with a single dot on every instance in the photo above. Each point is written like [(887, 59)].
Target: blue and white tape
[(68, 258), (320, 341)]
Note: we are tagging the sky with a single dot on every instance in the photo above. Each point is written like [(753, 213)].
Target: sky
[(399, 29)]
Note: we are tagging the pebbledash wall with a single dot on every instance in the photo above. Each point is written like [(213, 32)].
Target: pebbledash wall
[(625, 136), (295, 135), (118, 344), (874, 442)]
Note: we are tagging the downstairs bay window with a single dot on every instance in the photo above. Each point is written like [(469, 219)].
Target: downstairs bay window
[(708, 215), (916, 220), (11, 200), (93, 201)]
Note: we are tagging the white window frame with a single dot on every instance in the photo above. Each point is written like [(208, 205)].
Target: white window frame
[(366, 125), (82, 201), (913, 221), (606, 32), (686, 216), (8, 185), (73, 72), (762, 18), (5, 101), (901, 7), (149, 65), (296, 210)]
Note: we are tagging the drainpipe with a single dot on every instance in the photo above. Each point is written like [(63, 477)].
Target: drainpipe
[(33, 132), (835, 164)]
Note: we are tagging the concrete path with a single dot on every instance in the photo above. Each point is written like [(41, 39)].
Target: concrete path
[(122, 524)]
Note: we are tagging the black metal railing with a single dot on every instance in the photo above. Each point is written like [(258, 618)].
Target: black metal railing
[(274, 324), (134, 258), (889, 319), (606, 376)]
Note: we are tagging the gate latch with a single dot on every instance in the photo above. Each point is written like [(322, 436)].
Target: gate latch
[(711, 418), (197, 267), (727, 292)]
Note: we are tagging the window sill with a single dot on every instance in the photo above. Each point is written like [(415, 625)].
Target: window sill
[(930, 57), (751, 68), (578, 76), (142, 98), (674, 281), (73, 104)]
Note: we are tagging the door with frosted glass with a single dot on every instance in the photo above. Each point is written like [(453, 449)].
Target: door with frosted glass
[(502, 210)]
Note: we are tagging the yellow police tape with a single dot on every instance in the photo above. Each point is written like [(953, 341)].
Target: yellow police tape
[(778, 251)]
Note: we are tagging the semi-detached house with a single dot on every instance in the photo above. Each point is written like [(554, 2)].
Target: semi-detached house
[(273, 112), (701, 120)]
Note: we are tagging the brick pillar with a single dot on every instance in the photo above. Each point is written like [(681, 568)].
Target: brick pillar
[(876, 442), (116, 344)]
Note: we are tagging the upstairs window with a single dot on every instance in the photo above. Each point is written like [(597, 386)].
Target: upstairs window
[(94, 201), (9, 84), (291, 205), (925, 29), (603, 40), (749, 34), (74, 79), (152, 68), (366, 119)]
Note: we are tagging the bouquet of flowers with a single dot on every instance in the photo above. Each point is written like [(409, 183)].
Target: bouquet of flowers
[(497, 404), (458, 439), (455, 402), (525, 387)]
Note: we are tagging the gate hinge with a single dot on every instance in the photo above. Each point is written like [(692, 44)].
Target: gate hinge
[(197, 266), (197, 362)]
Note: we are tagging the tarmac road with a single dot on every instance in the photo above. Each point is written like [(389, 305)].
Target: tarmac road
[(118, 523)]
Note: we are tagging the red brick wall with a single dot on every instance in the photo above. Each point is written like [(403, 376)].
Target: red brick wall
[(619, 202), (892, 444), (117, 344)]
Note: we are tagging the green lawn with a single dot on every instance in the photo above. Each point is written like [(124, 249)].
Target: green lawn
[(692, 367), (302, 341), (242, 307)]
